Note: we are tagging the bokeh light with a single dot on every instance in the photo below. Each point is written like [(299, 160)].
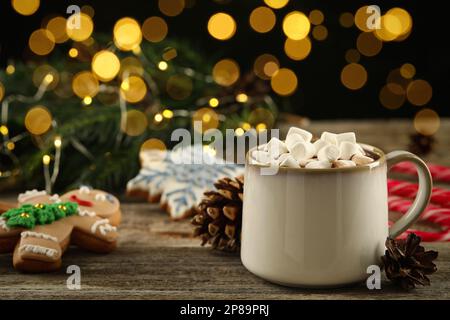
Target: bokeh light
[(419, 92), (45, 73), (25, 7), (265, 66), (85, 84), (82, 31), (87, 9), (261, 119), (296, 25), (297, 49), (171, 8), (2, 91), (162, 65), (316, 17), (427, 122), (213, 102), (320, 33), (346, 19), (38, 120), (169, 54), (407, 71), (368, 44), (57, 26), (153, 144), (105, 65), (392, 96), (154, 29), (73, 52), (127, 34), (276, 4), (221, 26), (41, 42), (208, 117), (354, 76), (179, 87), (136, 123), (133, 89), (130, 66), (361, 17), (284, 82), (352, 55), (262, 19), (226, 72)]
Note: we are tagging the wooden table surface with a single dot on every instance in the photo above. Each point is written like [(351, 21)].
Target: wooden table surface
[(158, 258)]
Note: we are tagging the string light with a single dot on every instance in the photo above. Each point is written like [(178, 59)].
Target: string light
[(261, 127), (239, 132), (4, 130), (246, 126), (46, 160), (162, 65), (87, 100), (10, 146), (73, 52), (213, 102), (158, 117), (242, 98), (167, 114), (57, 142), (10, 69)]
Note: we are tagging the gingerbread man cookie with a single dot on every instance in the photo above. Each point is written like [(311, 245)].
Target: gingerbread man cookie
[(43, 227)]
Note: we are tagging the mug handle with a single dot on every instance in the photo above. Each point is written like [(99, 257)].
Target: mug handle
[(423, 194)]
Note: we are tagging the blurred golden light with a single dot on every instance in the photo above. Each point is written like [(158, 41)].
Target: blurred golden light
[(361, 17), (316, 17), (427, 122), (407, 71), (171, 8), (297, 49), (38, 120), (276, 4), (45, 74), (392, 96), (209, 118), (320, 33), (162, 65), (346, 20), (4, 130), (88, 10), (262, 19), (154, 29), (158, 117), (85, 84), (136, 50), (368, 44), (169, 54), (105, 65), (261, 127), (179, 87), (10, 69), (82, 31), (46, 160), (167, 114), (213, 102), (246, 126), (41, 42), (221, 26), (10, 146), (2, 91), (405, 20), (354, 76), (239, 132), (73, 53), (284, 82), (296, 25), (87, 100), (265, 66), (136, 123), (419, 92), (352, 55), (153, 144), (130, 66), (133, 89), (57, 26), (226, 72), (25, 7), (395, 77), (391, 27), (127, 34), (242, 98), (57, 142)]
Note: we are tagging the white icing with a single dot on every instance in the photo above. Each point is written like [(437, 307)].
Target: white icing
[(84, 213), (84, 190), (24, 197), (38, 235), (100, 197), (3, 224), (38, 250), (103, 225), (55, 198)]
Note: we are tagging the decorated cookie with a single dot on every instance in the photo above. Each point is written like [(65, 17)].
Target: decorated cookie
[(176, 181), (43, 226)]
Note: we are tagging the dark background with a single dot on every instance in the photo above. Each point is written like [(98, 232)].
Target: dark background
[(320, 93)]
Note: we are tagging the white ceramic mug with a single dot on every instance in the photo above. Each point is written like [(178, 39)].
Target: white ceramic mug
[(322, 227)]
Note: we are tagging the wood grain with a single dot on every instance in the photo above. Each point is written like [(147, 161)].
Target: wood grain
[(158, 259)]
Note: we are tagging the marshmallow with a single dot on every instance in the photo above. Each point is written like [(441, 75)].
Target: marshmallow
[(276, 147), (343, 164), (262, 157), (346, 136), (304, 162), (302, 150), (329, 137), (319, 144), (329, 153), (318, 164), (348, 150), (289, 162), (293, 139), (361, 160), (306, 135)]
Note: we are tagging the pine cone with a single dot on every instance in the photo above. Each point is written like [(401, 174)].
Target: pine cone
[(218, 217), (407, 263)]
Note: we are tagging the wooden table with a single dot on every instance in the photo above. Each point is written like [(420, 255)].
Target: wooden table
[(158, 259)]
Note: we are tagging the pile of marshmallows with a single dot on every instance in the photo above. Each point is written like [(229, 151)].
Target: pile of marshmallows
[(330, 151)]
